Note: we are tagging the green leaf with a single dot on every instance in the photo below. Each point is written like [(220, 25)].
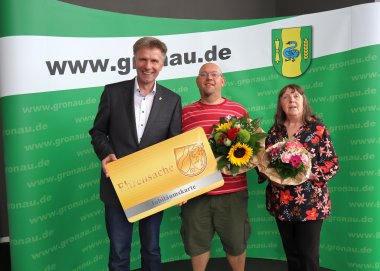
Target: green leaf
[(222, 149), (234, 169), (255, 137), (222, 162), (256, 122), (222, 120)]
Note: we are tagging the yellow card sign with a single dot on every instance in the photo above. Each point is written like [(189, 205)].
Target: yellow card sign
[(165, 174)]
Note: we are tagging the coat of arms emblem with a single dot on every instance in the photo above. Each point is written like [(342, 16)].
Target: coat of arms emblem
[(191, 159), (291, 50)]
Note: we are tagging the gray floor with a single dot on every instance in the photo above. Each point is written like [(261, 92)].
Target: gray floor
[(252, 264)]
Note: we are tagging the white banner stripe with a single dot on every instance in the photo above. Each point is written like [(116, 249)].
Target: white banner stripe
[(24, 68)]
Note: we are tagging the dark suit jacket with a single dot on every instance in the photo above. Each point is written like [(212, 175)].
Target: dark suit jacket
[(114, 128)]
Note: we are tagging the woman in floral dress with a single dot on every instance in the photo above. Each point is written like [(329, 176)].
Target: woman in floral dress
[(300, 209)]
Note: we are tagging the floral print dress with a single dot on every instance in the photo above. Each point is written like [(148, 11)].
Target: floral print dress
[(311, 199)]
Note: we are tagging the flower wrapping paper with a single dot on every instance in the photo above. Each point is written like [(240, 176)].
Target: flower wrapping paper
[(286, 163)]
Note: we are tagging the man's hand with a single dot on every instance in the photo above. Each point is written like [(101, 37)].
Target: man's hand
[(105, 161)]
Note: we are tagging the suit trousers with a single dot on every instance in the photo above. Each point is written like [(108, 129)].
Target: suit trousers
[(119, 231), (301, 243)]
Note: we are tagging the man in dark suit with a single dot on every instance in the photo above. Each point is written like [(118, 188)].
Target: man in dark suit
[(133, 115)]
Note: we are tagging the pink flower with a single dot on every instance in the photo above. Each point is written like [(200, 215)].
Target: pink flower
[(285, 157), (295, 161), (289, 158), (274, 152), (291, 145), (328, 153), (298, 189), (304, 159), (300, 199), (326, 210)]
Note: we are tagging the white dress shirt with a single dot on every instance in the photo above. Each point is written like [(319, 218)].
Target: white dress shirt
[(143, 105)]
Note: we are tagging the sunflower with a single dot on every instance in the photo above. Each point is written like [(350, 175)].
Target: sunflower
[(240, 154), (224, 126)]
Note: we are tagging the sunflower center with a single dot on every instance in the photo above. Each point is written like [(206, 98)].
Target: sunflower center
[(239, 152)]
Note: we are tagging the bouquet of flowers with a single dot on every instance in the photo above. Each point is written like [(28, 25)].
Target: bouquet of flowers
[(288, 163), (236, 143)]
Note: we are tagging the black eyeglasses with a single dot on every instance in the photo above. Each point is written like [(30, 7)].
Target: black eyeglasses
[(213, 74)]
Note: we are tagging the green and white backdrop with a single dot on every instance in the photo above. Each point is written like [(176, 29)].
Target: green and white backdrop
[(56, 58)]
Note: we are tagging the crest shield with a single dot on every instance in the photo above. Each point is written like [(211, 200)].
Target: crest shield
[(191, 159), (291, 50)]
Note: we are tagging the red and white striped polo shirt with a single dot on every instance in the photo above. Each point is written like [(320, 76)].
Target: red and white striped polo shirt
[(203, 115)]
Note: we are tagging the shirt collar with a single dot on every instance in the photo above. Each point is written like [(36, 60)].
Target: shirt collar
[(137, 88)]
